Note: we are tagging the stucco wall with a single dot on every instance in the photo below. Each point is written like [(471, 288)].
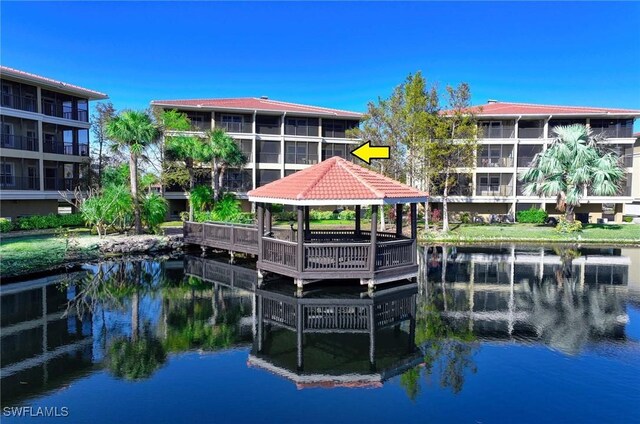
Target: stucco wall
[(15, 208)]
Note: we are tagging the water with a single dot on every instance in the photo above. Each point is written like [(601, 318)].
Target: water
[(518, 334)]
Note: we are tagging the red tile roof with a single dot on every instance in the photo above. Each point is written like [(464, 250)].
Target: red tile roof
[(16, 73), (254, 103), (636, 134), (336, 181), (495, 108)]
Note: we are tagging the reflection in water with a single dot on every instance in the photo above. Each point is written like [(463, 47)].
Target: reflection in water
[(129, 317)]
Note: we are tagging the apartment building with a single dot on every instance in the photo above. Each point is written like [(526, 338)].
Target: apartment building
[(511, 134), (44, 147), (279, 138)]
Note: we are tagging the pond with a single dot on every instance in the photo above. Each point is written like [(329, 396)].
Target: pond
[(491, 334)]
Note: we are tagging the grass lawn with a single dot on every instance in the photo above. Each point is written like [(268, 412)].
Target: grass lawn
[(591, 233), (171, 224), (40, 253), (329, 223)]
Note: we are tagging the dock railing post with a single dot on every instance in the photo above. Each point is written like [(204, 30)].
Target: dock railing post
[(358, 229), (399, 207)]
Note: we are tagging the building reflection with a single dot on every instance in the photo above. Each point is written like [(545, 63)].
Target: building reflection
[(42, 347), (564, 298)]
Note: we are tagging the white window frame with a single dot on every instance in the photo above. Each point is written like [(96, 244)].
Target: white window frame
[(10, 167)]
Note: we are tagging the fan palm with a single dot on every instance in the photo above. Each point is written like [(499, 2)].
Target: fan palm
[(572, 164), (134, 131)]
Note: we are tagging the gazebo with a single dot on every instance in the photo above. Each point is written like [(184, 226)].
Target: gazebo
[(316, 254)]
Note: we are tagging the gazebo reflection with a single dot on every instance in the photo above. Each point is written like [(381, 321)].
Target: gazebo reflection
[(332, 337)]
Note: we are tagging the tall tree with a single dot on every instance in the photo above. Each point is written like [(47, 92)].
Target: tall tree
[(223, 152), (574, 162), (103, 114), (182, 147), (452, 143), (133, 131)]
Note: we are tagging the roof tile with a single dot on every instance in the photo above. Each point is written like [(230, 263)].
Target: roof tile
[(253, 103), (335, 179)]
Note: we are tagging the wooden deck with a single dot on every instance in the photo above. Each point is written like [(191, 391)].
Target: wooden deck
[(324, 254)]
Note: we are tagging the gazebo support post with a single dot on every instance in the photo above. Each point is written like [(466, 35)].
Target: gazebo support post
[(374, 243), (414, 221), (358, 229), (307, 227), (267, 218), (300, 246), (399, 207), (259, 212)]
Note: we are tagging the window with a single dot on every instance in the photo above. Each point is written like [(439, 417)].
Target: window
[(67, 138), (526, 154), (266, 176), (67, 109), (49, 106), (7, 95), (7, 174), (238, 180), (337, 128), (267, 124), (530, 129), (33, 182), (301, 126), (334, 149), (232, 123), (83, 110), (245, 146), (301, 152), (612, 128), (269, 151), (8, 136), (83, 142)]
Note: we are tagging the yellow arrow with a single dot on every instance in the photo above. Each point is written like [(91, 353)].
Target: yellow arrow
[(366, 152)]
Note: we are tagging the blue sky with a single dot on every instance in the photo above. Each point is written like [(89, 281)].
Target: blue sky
[(331, 54)]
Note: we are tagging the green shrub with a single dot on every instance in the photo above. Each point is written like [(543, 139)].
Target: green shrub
[(113, 208), (5, 225), (532, 216), (201, 197), (315, 215), (153, 211), (226, 209), (277, 208), (41, 222), (285, 216), (627, 219), (565, 226), (465, 218), (347, 215)]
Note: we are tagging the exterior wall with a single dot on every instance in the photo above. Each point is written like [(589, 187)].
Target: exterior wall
[(593, 209), (506, 148), (272, 143), (482, 209), (16, 208), (42, 128)]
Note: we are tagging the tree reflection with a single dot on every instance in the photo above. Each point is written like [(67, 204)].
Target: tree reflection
[(448, 350)]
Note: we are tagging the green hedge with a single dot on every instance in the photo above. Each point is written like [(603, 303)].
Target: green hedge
[(532, 216), (285, 216), (42, 222), (347, 215), (5, 225), (321, 215)]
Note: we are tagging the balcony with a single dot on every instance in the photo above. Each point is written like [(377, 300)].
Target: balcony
[(504, 131), (495, 162), (530, 132), (62, 184), (10, 182), (62, 148), (236, 127), (26, 103), (19, 142), (65, 112), (494, 190)]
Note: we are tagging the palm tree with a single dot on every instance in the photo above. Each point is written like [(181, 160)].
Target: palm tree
[(573, 163), (223, 153), (133, 130), (183, 147)]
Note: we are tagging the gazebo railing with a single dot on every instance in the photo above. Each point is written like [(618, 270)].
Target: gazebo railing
[(280, 252), (395, 253), (241, 237), (336, 256)]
